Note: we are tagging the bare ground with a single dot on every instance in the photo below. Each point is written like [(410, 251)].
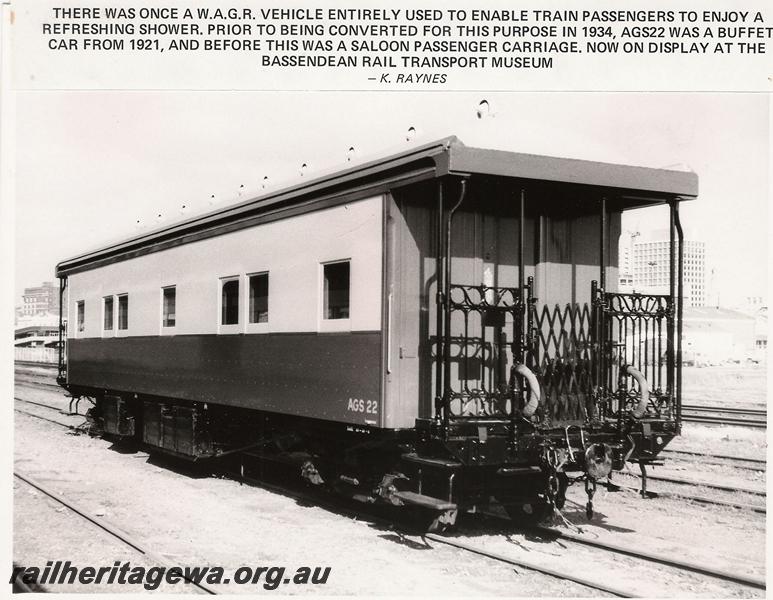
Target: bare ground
[(210, 521)]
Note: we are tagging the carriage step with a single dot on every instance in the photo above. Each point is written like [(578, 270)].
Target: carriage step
[(425, 501), (433, 462)]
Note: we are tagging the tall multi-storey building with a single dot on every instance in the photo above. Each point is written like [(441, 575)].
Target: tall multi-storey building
[(650, 266), (625, 252), (40, 300)]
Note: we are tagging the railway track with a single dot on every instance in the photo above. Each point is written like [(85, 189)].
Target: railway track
[(663, 559), (734, 577), (42, 404), (107, 527), (719, 415), (28, 380), (42, 418), (727, 409), (758, 508), (700, 483), (37, 365), (736, 462), (759, 461), (315, 498), (531, 565), (80, 428), (552, 533), (674, 562)]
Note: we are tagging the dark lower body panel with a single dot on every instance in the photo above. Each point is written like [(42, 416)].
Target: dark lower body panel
[(304, 374)]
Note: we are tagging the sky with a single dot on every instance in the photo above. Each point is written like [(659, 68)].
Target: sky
[(90, 164)]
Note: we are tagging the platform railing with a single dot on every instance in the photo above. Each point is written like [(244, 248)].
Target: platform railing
[(480, 317), (633, 330)]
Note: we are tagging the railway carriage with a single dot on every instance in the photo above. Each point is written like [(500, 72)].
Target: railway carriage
[(439, 329)]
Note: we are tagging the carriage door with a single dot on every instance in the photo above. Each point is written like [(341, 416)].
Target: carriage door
[(485, 313)]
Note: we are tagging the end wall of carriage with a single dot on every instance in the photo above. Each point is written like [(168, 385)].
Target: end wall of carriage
[(561, 253)]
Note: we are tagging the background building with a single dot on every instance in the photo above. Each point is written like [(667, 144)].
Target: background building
[(625, 252), (40, 330), (644, 265), (36, 327), (712, 334), (40, 300), (715, 335), (756, 307)]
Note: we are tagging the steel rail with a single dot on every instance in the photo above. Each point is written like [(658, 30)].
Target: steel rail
[(36, 382), (718, 414), (56, 408), (37, 378), (734, 410), (519, 562), (699, 483), (106, 526), (761, 461), (718, 463), (704, 500), (38, 374), (709, 420), (678, 495), (749, 580), (32, 363), (42, 418)]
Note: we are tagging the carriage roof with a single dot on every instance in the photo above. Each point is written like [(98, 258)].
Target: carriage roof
[(639, 186)]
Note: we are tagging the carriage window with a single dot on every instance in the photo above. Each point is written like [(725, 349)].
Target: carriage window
[(336, 290), (169, 306), (123, 311), (259, 298), (81, 309), (230, 302), (108, 321)]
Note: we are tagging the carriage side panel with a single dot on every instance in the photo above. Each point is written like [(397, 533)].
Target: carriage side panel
[(294, 362)]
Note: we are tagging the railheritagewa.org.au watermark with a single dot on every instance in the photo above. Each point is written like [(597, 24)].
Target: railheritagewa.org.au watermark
[(150, 578)]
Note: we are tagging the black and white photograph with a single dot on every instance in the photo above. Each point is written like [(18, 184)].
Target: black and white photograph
[(382, 342)]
